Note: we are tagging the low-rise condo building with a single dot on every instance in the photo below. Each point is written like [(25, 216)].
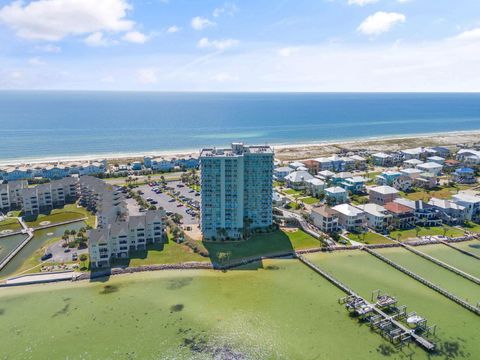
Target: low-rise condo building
[(236, 190)]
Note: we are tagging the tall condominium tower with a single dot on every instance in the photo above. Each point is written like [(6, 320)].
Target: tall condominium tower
[(236, 190)]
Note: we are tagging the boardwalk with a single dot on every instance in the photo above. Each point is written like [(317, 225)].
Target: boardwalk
[(431, 285), (425, 343)]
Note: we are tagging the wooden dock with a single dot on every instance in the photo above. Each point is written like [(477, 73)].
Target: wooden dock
[(447, 294), (404, 332)]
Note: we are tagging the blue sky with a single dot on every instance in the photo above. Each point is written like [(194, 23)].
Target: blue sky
[(283, 45)]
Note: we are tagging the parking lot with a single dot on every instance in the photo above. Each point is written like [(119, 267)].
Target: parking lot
[(184, 202)]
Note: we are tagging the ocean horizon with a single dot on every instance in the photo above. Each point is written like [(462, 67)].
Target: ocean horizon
[(74, 124)]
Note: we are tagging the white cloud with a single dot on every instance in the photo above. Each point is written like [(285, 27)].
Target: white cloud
[(287, 51), (48, 48), (228, 8), (96, 40), (224, 77), (380, 22), (200, 23), (35, 61), (52, 20), (108, 79), (147, 76), (173, 29), (469, 35), (205, 43), (361, 2), (135, 37)]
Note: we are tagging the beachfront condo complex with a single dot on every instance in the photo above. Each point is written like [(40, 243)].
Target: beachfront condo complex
[(236, 190)]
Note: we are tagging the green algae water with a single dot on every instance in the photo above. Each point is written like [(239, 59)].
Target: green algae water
[(458, 329), (283, 311), (276, 310)]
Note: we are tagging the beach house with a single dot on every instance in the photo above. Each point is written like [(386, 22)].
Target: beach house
[(412, 163), (431, 168), (279, 173), (382, 159), (350, 218), (470, 202), (382, 195), (425, 214), (450, 212), (403, 217), (464, 176), (354, 184), (315, 187), (324, 218), (297, 179), (377, 217), (336, 195), (469, 156)]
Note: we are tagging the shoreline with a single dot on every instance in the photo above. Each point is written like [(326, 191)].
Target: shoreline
[(283, 151)]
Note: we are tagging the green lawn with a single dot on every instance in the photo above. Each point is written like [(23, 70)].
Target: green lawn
[(263, 244), (369, 238), (309, 200), (293, 192), (168, 253), (68, 212), (436, 230), (10, 224), (441, 193), (473, 227)]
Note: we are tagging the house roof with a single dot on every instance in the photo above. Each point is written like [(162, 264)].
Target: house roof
[(382, 155), (326, 173), (430, 165), (348, 210), (385, 190), (335, 190), (315, 182), (324, 211), (298, 176), (445, 204), (413, 162), (397, 208), (373, 209), (467, 198), (411, 171), (357, 158)]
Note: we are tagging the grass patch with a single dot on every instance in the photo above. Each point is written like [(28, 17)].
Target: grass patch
[(441, 193), (425, 231), (10, 224), (67, 213), (369, 238), (472, 227), (293, 192), (309, 200), (263, 244), (168, 253)]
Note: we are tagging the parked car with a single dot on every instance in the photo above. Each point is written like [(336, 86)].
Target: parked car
[(46, 256), (67, 250), (74, 256)]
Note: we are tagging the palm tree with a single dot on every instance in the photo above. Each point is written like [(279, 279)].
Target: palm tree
[(83, 258)]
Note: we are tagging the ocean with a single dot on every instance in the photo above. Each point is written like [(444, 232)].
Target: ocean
[(49, 124)]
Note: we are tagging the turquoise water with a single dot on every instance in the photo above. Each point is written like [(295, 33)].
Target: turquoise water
[(49, 124)]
